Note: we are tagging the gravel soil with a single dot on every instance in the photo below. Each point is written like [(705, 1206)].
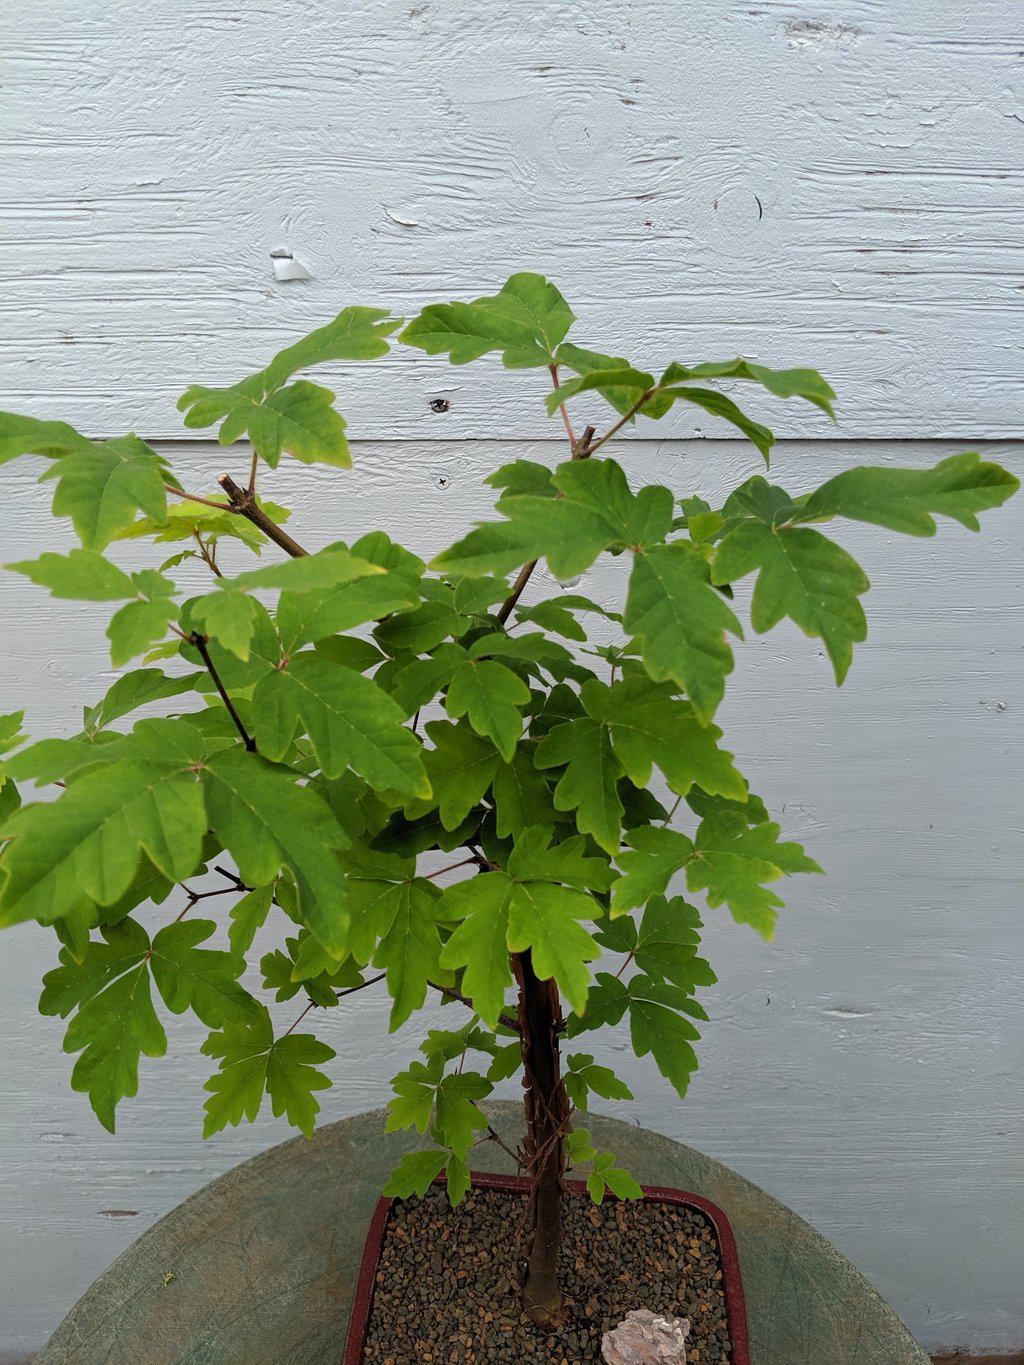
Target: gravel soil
[(447, 1285)]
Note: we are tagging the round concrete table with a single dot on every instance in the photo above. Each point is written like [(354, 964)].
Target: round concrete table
[(259, 1267)]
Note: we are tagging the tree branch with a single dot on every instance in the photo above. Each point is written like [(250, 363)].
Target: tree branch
[(506, 1019), (200, 643), (245, 505), (351, 990), (580, 450)]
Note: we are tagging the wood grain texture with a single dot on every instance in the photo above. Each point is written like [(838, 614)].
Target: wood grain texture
[(838, 186), (863, 1067)]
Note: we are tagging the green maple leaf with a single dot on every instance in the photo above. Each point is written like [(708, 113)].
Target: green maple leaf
[(597, 511), (802, 574), (607, 1176), (115, 1024), (267, 823), (423, 1092), (525, 321), (653, 857), (138, 688), (512, 911), (394, 924), (138, 624), (90, 841), (248, 916), (628, 389), (425, 626), (908, 500), (102, 486), (522, 476), (733, 861), (521, 795), (600, 486), (306, 617), (202, 980), (607, 1001), (492, 697), (557, 614), (229, 617), (415, 684), (254, 1063), (412, 1101), (480, 942), (650, 726), (584, 1075), (186, 518), (328, 568), (350, 721), (680, 622), (667, 942), (589, 784), (460, 767), (29, 436), (415, 1173), (657, 1025), (82, 575), (78, 978), (535, 858), (299, 419), (457, 1117), (357, 333)]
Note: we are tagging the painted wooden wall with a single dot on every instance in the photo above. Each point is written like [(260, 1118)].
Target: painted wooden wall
[(833, 184)]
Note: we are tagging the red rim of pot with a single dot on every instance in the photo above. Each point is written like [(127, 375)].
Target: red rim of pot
[(735, 1308)]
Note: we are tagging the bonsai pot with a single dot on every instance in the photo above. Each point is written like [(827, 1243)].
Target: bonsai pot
[(718, 1316), (264, 1264)]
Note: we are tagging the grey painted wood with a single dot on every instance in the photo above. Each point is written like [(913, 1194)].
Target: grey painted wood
[(863, 1067), (832, 185), (261, 1265)]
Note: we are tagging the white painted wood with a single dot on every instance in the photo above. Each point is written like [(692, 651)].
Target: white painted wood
[(829, 185), (863, 1067), (838, 186)]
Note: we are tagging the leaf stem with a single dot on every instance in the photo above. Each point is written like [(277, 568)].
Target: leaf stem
[(200, 643), (627, 417), (580, 450), (194, 497)]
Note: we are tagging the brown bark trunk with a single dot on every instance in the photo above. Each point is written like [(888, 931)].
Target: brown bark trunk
[(547, 1114)]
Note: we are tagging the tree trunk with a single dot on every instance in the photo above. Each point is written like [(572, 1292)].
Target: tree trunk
[(547, 1114)]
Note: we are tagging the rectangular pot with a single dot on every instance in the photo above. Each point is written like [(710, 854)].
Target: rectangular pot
[(735, 1309)]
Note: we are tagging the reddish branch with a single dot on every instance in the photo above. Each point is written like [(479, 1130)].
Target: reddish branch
[(244, 503)]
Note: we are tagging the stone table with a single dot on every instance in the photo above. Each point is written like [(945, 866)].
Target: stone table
[(260, 1265)]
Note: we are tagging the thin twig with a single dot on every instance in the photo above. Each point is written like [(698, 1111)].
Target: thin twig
[(194, 497), (553, 371), (310, 1006), (351, 990), (200, 643), (450, 868), (506, 1019), (621, 422), (252, 475), (580, 450)]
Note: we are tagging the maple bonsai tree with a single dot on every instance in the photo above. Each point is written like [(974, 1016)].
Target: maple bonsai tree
[(428, 776)]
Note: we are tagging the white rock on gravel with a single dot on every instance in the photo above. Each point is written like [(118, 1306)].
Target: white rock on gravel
[(646, 1338)]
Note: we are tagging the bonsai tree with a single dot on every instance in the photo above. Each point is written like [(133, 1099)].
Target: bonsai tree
[(427, 776)]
